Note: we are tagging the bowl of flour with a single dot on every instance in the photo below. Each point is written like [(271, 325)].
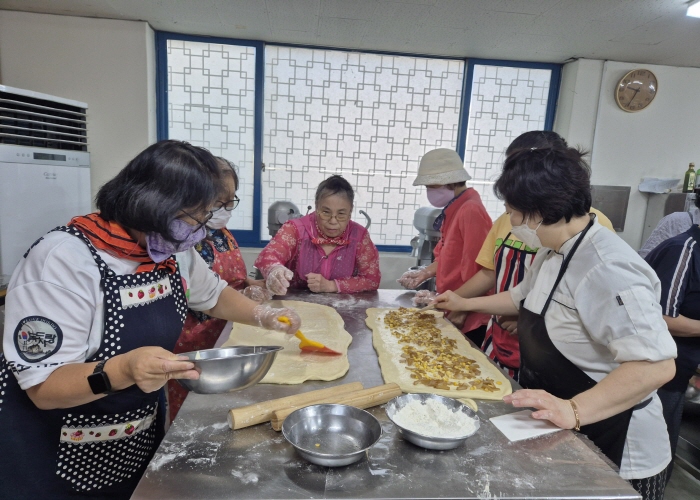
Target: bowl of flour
[(432, 421)]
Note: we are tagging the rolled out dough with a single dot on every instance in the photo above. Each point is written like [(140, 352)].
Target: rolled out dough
[(292, 366), (389, 354)]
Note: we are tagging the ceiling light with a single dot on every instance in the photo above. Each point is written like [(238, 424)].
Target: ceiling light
[(693, 9)]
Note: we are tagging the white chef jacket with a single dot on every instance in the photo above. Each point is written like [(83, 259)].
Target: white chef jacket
[(606, 311), (59, 281)]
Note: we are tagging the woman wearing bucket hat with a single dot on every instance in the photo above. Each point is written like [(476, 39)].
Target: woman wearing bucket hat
[(464, 224), (504, 259)]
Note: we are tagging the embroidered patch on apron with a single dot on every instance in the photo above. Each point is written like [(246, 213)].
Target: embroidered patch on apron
[(37, 338), (92, 464), (72, 434), (138, 295)]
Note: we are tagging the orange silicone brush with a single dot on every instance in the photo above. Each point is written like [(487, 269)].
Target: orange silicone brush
[(306, 344)]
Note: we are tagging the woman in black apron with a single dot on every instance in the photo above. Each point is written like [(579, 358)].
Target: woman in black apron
[(92, 313), (593, 344)]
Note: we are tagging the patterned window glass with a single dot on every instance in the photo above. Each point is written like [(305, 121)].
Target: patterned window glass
[(211, 103), (368, 117), (505, 102)]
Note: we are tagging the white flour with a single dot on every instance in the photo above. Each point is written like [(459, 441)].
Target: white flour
[(434, 419)]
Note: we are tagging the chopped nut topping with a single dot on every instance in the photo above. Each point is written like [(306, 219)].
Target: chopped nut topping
[(432, 359)]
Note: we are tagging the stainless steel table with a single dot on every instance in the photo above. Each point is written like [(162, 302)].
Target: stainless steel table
[(202, 458)]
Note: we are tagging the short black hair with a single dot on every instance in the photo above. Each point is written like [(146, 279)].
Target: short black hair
[(335, 184), (164, 179), (554, 183), (537, 139)]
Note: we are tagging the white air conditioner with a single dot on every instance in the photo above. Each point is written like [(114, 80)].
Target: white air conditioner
[(44, 168)]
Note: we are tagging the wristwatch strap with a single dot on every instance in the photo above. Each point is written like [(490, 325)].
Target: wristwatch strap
[(99, 381)]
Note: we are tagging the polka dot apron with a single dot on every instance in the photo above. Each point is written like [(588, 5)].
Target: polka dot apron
[(102, 448)]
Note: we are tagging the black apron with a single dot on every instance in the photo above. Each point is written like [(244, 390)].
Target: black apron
[(543, 366), (99, 449)]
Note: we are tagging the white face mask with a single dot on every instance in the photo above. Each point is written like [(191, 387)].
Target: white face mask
[(219, 219), (527, 235)]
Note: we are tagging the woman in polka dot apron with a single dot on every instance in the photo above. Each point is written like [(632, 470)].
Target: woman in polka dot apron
[(220, 251), (93, 312)]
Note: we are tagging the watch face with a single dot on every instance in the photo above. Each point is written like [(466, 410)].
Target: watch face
[(636, 90), (99, 383)]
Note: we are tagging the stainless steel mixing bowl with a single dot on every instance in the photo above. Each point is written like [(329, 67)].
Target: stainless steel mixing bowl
[(229, 369), (433, 443), (331, 435)]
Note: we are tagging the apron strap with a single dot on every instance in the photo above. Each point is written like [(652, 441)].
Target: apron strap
[(564, 265), (105, 270)]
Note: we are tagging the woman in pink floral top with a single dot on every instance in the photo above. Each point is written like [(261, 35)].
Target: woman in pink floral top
[(324, 251)]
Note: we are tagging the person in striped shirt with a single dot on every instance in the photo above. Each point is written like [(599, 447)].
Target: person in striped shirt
[(677, 264)]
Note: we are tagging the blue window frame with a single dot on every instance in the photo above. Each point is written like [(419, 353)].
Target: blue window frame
[(249, 168), (503, 100), (252, 234)]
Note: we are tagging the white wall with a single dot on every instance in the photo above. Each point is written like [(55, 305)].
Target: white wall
[(658, 141), (108, 64), (577, 108)]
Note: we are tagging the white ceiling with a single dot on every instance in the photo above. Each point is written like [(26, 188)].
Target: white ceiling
[(640, 31)]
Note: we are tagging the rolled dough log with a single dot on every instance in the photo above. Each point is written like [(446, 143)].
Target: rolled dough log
[(292, 366), (389, 354)]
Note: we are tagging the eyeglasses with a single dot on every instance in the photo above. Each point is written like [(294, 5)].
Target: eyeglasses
[(326, 216), (231, 204), (200, 223)]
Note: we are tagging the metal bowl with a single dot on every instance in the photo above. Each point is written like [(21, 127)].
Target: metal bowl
[(430, 442), (331, 435), (230, 368)]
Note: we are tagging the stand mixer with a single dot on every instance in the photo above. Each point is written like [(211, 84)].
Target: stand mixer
[(424, 244)]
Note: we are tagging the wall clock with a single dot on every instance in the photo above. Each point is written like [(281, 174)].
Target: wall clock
[(636, 90)]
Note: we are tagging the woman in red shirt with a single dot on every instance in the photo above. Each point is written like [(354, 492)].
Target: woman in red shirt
[(324, 251), (464, 224)]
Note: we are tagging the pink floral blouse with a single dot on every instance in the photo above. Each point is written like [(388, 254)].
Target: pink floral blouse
[(284, 249)]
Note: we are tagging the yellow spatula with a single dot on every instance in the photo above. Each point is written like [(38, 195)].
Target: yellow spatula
[(306, 344)]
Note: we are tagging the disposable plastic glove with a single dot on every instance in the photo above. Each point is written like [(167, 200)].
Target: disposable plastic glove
[(266, 317), (411, 279), (423, 297), (257, 293), (278, 280)]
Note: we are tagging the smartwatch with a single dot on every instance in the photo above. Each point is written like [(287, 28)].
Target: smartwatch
[(99, 381)]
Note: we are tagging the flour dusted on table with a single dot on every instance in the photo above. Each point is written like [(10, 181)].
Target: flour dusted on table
[(434, 419)]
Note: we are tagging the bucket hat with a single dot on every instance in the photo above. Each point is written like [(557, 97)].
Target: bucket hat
[(439, 167)]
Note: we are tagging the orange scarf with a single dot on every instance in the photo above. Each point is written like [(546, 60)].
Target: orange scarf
[(114, 239)]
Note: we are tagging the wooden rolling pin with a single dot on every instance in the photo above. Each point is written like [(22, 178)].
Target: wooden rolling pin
[(362, 399), (245, 416)]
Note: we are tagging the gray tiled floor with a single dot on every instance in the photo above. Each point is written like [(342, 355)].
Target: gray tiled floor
[(683, 486)]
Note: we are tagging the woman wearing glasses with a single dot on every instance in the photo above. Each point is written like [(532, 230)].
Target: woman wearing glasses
[(93, 311), (220, 251), (324, 251)]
